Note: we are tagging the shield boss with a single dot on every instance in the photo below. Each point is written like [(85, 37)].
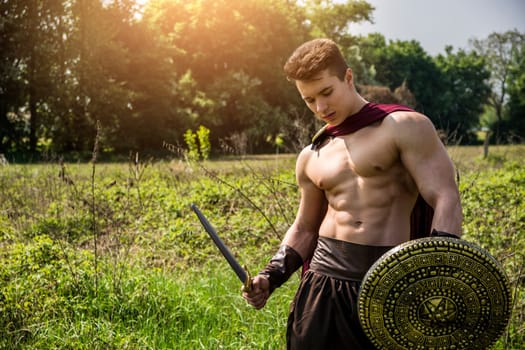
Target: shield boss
[(435, 293)]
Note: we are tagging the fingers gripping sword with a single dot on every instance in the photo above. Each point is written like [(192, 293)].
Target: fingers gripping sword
[(242, 273)]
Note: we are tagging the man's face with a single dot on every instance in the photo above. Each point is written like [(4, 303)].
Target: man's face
[(327, 96)]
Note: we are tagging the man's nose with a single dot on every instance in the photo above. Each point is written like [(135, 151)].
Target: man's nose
[(321, 105)]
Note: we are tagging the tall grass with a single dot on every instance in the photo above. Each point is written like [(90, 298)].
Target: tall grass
[(156, 310), (158, 281)]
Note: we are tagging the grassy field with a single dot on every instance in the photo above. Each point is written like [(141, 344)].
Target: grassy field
[(110, 256)]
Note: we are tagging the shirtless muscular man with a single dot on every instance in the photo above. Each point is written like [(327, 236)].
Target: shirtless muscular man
[(358, 186)]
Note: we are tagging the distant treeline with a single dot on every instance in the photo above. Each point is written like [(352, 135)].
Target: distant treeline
[(145, 74)]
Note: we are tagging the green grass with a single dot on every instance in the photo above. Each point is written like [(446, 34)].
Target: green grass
[(119, 261), (163, 311)]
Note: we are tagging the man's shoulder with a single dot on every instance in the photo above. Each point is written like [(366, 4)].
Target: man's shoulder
[(408, 119), (309, 156), (305, 153), (411, 130)]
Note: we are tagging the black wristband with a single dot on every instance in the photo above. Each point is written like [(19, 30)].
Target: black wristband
[(283, 264), (436, 233)]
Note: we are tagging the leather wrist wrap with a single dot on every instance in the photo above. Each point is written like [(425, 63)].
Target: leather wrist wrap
[(436, 233), (283, 264)]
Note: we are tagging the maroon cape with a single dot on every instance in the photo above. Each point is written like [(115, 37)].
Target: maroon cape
[(422, 213)]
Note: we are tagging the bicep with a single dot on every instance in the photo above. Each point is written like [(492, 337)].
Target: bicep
[(426, 159)]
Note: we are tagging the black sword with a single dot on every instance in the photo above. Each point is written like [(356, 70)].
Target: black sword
[(241, 272)]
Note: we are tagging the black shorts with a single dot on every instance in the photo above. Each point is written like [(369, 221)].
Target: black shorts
[(324, 312)]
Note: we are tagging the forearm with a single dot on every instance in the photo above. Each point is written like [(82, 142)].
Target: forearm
[(448, 216), (302, 241), (295, 248), (281, 266)]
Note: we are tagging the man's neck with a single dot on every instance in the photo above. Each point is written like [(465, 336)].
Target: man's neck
[(360, 102)]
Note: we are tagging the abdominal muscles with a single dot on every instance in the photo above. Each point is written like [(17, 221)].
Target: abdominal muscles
[(372, 211)]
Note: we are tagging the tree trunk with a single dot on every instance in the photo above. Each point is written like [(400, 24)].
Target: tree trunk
[(4, 126), (486, 144), (33, 114)]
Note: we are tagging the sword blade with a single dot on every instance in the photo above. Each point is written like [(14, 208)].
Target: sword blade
[(241, 273)]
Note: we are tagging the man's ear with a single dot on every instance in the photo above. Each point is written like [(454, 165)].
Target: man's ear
[(349, 76)]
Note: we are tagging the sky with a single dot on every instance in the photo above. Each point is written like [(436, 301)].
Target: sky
[(438, 23)]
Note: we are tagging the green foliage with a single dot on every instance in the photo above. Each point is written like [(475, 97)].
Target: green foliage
[(203, 135), (193, 148), (148, 238), (504, 54), (450, 89), (492, 194), (464, 76), (331, 19), (399, 62), (514, 125), (40, 280), (149, 72), (198, 143), (160, 282)]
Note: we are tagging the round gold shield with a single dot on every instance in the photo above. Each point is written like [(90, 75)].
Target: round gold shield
[(435, 293)]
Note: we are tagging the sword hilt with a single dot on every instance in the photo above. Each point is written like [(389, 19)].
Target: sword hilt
[(247, 285)]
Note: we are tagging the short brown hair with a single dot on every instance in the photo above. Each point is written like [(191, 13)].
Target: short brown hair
[(313, 57)]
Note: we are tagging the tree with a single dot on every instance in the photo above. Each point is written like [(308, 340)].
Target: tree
[(502, 50), (68, 64), (63, 61), (332, 19), (449, 89), (406, 62), (514, 126), (11, 82), (363, 56), (29, 39), (234, 52), (100, 62), (465, 90)]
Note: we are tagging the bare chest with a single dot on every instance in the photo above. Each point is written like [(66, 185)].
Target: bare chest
[(367, 155)]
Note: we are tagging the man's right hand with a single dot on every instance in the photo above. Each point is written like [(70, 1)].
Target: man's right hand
[(259, 293)]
